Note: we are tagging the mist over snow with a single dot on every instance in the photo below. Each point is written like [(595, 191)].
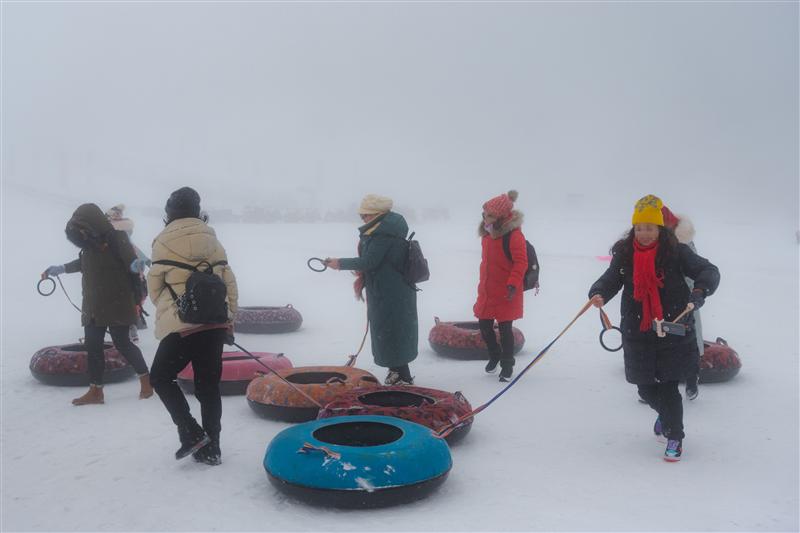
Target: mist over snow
[(284, 115)]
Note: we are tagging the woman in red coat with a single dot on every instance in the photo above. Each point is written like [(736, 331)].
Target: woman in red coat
[(504, 261)]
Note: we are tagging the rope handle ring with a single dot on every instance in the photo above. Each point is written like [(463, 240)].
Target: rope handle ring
[(320, 261), (39, 286), (607, 326)]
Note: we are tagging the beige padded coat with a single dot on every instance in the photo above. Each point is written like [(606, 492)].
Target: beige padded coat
[(188, 240)]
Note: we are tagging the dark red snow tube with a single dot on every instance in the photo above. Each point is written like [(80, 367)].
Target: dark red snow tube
[(719, 362), (462, 340), (67, 365), (431, 408), (238, 370), (267, 319)]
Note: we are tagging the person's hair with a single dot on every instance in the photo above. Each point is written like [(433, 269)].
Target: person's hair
[(667, 245), (175, 216), (84, 237)]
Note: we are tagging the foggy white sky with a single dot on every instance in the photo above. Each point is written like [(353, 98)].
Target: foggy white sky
[(314, 104)]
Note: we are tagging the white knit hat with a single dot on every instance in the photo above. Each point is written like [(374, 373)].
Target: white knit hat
[(374, 204)]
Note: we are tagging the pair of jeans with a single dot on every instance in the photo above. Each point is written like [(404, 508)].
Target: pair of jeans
[(665, 399), (204, 351), (94, 337)]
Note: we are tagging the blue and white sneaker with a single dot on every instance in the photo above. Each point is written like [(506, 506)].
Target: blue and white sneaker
[(673, 452)]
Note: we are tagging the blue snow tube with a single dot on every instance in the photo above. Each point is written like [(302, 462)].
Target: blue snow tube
[(357, 461)]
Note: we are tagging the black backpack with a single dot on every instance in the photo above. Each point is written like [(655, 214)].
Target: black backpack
[(204, 301), (531, 279), (415, 270)]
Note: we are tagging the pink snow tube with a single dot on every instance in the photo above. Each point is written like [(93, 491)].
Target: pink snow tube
[(267, 319), (68, 365), (238, 370)]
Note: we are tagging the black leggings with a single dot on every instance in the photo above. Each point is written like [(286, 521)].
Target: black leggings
[(94, 337), (506, 348), (665, 399), (204, 351)]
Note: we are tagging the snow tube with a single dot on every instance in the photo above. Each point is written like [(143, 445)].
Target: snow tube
[(462, 340), (357, 461), (238, 370), (67, 365), (271, 398), (719, 362), (432, 408), (267, 319)]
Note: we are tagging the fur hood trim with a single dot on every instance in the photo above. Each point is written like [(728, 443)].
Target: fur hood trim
[(684, 230), (514, 222)]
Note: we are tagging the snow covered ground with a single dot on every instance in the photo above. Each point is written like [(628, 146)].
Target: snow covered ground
[(568, 448)]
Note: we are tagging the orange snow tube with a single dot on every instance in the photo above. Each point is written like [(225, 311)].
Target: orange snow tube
[(272, 398)]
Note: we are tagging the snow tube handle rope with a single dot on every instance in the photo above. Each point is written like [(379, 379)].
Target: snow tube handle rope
[(308, 448), (50, 279), (321, 261), (292, 385), (445, 431), (607, 326)]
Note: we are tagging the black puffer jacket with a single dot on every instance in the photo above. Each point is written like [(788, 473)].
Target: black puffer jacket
[(649, 358), (674, 294)]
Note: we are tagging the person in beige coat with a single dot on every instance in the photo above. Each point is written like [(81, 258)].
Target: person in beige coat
[(188, 239)]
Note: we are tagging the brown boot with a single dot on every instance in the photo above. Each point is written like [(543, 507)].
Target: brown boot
[(93, 395), (147, 389)]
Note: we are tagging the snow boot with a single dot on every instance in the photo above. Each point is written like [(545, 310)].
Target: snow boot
[(192, 439), (209, 454), (146, 390), (674, 449), (506, 369), (491, 366), (93, 396)]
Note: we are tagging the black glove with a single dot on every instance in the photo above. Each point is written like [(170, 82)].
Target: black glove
[(697, 299), (512, 290)]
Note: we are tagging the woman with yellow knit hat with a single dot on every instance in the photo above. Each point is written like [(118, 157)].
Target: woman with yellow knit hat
[(650, 266)]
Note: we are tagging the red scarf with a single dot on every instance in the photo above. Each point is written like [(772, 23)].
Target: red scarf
[(646, 283)]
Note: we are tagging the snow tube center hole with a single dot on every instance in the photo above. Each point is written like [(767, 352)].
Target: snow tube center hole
[(359, 434), (468, 325), (81, 347), (308, 378), (394, 399)]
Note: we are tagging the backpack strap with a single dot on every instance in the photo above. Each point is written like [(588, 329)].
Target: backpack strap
[(507, 245), (178, 264)]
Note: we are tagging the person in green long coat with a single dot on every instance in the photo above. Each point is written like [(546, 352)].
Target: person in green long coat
[(391, 300)]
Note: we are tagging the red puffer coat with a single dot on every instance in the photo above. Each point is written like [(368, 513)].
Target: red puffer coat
[(497, 272)]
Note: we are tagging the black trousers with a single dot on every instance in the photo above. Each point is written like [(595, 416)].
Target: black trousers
[(506, 348), (665, 399), (204, 351), (94, 337)]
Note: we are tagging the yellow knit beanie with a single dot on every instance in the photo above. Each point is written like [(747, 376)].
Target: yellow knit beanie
[(648, 211)]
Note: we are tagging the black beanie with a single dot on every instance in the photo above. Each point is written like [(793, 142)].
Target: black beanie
[(183, 203)]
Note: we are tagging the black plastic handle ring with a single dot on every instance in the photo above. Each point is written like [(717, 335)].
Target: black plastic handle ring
[(324, 266), (603, 344), (39, 286)]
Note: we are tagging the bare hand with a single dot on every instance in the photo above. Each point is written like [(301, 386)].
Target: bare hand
[(332, 262), (597, 301)]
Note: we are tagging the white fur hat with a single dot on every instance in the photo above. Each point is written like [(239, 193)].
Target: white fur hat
[(374, 204)]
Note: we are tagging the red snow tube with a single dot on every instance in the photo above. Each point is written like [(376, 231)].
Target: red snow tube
[(238, 370), (67, 365), (719, 362), (267, 319), (429, 407), (271, 398), (462, 340)]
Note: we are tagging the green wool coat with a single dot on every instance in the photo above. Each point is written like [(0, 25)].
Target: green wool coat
[(391, 301), (108, 297)]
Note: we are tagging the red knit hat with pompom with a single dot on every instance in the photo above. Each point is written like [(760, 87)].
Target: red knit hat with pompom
[(501, 206), (670, 220)]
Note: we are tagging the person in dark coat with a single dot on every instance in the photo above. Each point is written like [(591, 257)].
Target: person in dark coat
[(391, 300), (107, 262), (651, 267), (500, 287)]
